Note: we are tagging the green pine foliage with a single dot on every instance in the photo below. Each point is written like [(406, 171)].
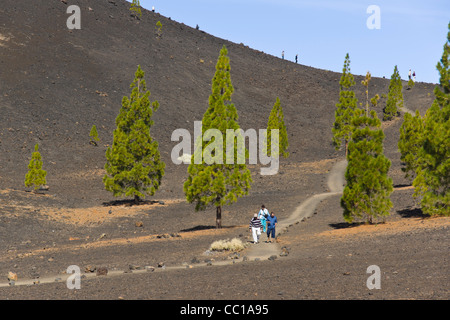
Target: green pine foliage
[(158, 29), (276, 121), (345, 108), (410, 142), (136, 8), (395, 96), (134, 166), (94, 135), (432, 183), (36, 175), (367, 192), (217, 183)]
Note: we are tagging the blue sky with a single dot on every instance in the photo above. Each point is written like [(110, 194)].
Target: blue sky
[(411, 35)]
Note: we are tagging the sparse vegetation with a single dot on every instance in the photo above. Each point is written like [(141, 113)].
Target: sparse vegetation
[(276, 121), (395, 96), (345, 108), (234, 245), (134, 166), (94, 135), (432, 183), (136, 8), (36, 175), (410, 142), (368, 189), (213, 182), (158, 29)]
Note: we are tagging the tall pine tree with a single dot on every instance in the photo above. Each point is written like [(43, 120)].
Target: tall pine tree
[(345, 108), (432, 183), (395, 96), (367, 192), (216, 182), (36, 175), (134, 166), (276, 121), (410, 142)]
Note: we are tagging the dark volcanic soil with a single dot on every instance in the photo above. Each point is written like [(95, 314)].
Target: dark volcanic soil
[(56, 83)]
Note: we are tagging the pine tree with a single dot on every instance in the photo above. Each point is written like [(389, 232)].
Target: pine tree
[(276, 121), (136, 8), (36, 175), (410, 142), (395, 96), (134, 166), (368, 189), (432, 183), (94, 135), (216, 182), (158, 29), (345, 108)]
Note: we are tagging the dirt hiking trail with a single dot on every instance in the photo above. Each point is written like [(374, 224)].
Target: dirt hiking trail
[(336, 181)]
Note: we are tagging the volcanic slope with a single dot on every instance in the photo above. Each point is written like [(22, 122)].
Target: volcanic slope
[(56, 83)]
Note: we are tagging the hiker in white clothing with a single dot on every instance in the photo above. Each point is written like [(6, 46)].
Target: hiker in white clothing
[(255, 226)]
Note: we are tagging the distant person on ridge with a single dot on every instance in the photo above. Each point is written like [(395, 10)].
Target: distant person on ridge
[(296, 58), (255, 227), (414, 76), (272, 222), (282, 55), (409, 74), (263, 214)]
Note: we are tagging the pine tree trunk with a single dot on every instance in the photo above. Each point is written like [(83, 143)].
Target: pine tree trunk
[(219, 217), (136, 199)]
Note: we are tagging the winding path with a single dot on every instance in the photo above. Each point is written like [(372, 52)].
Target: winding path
[(336, 181), (260, 251)]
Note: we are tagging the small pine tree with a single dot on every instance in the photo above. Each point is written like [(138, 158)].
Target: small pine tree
[(365, 83), (367, 192), (276, 121), (36, 175), (345, 108), (432, 182), (410, 142), (217, 183), (94, 135), (134, 166), (159, 29), (395, 96), (136, 8)]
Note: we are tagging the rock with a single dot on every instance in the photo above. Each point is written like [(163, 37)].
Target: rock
[(90, 269), (284, 252), (195, 260), (273, 257), (161, 202), (103, 235), (12, 276), (161, 265), (102, 271), (139, 224), (134, 267)]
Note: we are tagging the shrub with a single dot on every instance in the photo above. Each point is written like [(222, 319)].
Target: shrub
[(229, 245)]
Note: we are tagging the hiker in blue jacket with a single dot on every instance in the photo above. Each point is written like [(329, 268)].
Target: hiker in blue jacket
[(271, 225)]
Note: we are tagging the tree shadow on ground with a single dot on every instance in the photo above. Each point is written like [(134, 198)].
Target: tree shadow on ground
[(345, 225), (412, 213), (129, 203), (201, 227)]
